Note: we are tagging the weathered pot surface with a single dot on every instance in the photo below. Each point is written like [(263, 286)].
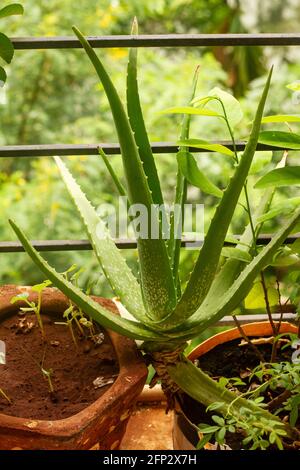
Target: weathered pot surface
[(185, 436), (100, 425)]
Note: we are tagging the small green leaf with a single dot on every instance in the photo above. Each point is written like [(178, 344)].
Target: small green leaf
[(232, 106), (203, 144), (286, 140), (289, 175), (10, 10), (203, 441), (189, 168), (235, 253), (217, 419), (3, 77), (190, 110), (19, 297), (256, 300), (6, 48), (41, 287), (205, 429), (281, 118)]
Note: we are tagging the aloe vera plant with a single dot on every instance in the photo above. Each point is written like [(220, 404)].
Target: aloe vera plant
[(162, 314)]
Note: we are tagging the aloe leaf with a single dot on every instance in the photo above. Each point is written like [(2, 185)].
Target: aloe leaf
[(203, 144), (156, 275), (136, 120), (281, 118), (6, 48), (189, 168), (12, 9), (190, 110), (289, 175), (208, 259), (209, 314), (117, 272), (286, 140), (98, 313), (112, 173)]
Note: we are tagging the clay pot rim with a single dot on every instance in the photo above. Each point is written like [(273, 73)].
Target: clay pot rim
[(251, 329), (131, 370)]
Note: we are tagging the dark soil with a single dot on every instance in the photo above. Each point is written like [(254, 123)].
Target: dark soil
[(74, 369), (228, 360)]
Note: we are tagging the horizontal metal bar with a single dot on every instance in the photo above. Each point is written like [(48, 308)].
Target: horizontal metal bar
[(80, 245), (243, 319), (165, 40), (28, 151)]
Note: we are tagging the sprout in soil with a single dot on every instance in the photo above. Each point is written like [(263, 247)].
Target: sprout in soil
[(32, 306)]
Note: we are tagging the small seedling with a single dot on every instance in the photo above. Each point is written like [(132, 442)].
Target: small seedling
[(69, 317), (47, 373), (32, 306)]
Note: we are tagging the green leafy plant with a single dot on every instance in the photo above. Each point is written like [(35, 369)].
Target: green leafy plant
[(164, 313), (282, 381), (6, 46), (32, 306)]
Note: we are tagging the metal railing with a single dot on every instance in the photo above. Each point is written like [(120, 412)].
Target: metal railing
[(170, 40)]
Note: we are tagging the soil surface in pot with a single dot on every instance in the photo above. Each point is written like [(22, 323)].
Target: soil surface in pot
[(232, 360), (74, 369)]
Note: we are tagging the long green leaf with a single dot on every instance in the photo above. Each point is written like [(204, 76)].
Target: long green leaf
[(6, 48), (281, 118), (208, 259), (190, 110), (203, 144), (104, 317), (156, 275), (12, 9), (3, 77), (286, 140), (189, 168), (290, 175), (136, 120), (209, 314), (114, 266)]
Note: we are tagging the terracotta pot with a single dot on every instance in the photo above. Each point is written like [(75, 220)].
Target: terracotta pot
[(185, 436), (100, 425)]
